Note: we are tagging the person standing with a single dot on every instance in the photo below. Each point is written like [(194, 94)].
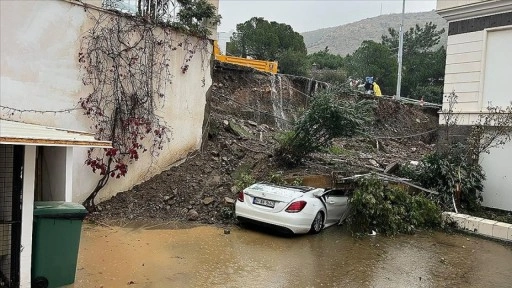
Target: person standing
[(376, 89)]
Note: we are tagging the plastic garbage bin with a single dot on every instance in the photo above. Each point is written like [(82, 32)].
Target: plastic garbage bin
[(55, 242)]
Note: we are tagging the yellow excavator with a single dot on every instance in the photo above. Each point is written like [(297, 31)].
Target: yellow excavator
[(265, 66)]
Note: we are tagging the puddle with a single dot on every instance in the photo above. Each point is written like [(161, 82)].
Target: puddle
[(206, 257)]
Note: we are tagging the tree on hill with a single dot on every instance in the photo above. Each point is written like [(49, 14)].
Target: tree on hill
[(374, 59), (263, 40), (423, 64), (325, 60)]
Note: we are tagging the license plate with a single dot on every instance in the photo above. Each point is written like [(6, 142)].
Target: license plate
[(263, 202)]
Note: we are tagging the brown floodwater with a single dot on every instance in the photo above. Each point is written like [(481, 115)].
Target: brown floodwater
[(204, 256)]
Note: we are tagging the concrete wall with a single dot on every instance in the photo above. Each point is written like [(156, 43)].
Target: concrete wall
[(485, 227), (40, 41)]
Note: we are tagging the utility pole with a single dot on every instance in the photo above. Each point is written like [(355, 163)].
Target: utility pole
[(400, 53)]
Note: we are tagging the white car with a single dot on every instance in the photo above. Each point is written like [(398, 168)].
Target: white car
[(296, 209)]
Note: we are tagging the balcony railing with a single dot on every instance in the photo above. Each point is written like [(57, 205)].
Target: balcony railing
[(161, 10)]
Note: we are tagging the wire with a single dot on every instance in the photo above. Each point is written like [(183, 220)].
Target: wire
[(12, 110)]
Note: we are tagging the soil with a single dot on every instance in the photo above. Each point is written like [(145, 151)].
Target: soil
[(203, 188)]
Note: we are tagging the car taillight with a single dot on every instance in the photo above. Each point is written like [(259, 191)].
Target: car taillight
[(241, 196), (296, 207)]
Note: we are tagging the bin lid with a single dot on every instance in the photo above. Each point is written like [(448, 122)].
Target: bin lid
[(58, 208)]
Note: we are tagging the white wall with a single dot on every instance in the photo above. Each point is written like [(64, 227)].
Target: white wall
[(464, 69), (27, 216), (445, 4), (477, 69), (39, 70), (498, 171), (498, 65)]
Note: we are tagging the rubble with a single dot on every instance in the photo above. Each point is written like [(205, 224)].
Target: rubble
[(202, 186)]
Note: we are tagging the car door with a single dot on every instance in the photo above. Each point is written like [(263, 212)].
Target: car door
[(336, 202)]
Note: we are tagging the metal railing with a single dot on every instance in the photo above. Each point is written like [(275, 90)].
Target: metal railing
[(163, 10)]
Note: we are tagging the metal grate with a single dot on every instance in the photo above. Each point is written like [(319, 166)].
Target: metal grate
[(11, 161)]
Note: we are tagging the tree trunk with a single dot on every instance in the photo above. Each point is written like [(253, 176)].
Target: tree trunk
[(89, 201)]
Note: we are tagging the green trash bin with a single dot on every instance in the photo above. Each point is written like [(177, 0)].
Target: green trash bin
[(55, 242)]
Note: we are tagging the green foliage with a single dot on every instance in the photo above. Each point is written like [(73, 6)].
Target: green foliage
[(377, 60), (337, 150), (429, 93), (327, 118), (293, 63), (244, 180), (264, 40), (196, 16), (390, 210), (423, 64), (447, 171), (227, 213), (330, 76), (276, 178), (417, 40), (325, 60)]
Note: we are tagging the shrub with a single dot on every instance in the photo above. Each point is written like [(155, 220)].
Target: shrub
[(430, 93), (390, 210), (327, 118), (244, 180), (446, 172)]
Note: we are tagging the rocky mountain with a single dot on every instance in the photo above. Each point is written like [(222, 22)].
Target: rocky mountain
[(345, 39)]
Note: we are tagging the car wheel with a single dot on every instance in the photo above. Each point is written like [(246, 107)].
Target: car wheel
[(318, 223)]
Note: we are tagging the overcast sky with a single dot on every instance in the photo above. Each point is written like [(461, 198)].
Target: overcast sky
[(307, 15)]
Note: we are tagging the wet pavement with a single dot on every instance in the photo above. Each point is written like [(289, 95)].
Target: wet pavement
[(204, 256)]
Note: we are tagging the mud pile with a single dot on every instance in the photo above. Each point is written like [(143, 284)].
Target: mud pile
[(246, 112)]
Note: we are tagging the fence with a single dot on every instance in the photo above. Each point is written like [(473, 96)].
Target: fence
[(164, 10), (10, 214)]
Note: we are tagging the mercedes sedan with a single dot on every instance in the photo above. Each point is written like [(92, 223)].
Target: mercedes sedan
[(295, 209)]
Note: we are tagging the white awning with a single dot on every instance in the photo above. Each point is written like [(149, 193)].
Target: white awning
[(19, 133)]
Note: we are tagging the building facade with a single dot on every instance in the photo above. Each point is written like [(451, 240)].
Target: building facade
[(477, 70)]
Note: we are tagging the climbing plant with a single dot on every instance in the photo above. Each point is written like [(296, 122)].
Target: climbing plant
[(127, 63)]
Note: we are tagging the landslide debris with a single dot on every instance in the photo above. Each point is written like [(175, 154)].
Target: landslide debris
[(241, 139)]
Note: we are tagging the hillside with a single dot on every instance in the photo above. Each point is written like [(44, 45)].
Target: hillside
[(345, 39)]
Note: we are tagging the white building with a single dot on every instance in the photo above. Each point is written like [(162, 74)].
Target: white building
[(41, 154), (478, 64)]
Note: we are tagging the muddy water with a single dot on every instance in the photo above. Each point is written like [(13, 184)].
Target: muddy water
[(205, 257)]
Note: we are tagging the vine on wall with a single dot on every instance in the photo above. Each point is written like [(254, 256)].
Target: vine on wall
[(127, 63)]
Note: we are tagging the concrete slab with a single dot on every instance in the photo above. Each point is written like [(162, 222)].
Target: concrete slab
[(500, 230), (510, 234), (485, 227), (472, 223), (460, 220), (447, 216)]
